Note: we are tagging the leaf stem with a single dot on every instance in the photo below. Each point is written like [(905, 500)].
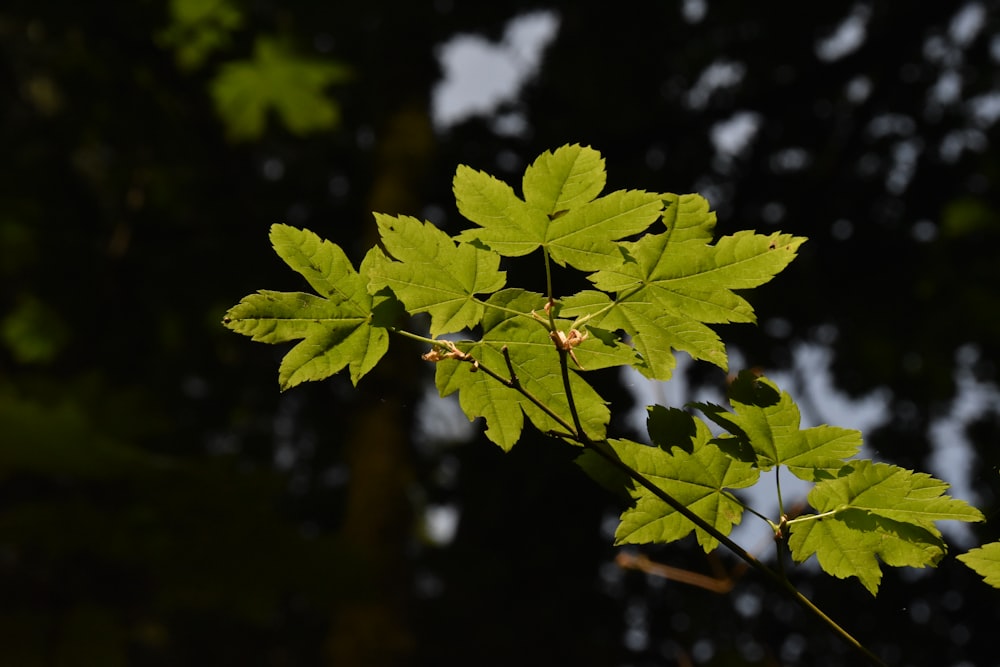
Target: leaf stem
[(514, 383), (548, 274), (811, 517), (777, 485), (604, 450), (750, 509), (417, 337), (619, 297), (512, 311)]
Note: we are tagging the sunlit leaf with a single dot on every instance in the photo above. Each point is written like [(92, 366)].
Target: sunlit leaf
[(893, 492), (337, 328), (688, 218), (559, 212), (564, 179), (985, 560), (769, 421), (851, 544), (698, 474), (433, 274), (664, 293), (876, 509), (696, 280), (655, 333)]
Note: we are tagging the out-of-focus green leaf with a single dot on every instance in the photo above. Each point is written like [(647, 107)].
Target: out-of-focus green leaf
[(33, 332), (968, 215), (198, 28), (276, 79)]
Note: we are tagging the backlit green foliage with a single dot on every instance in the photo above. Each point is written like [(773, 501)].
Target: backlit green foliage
[(658, 282)]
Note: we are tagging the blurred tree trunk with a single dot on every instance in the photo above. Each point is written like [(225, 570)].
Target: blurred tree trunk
[(375, 631)]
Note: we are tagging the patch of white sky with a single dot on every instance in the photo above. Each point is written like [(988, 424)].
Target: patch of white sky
[(440, 424), (946, 51), (719, 75), (847, 37), (953, 456), (481, 76), (967, 23), (731, 137), (694, 11)]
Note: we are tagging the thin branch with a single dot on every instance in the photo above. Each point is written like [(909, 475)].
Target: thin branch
[(604, 450), (515, 384), (564, 366), (643, 563)]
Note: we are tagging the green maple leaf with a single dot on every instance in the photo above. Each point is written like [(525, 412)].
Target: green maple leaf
[(876, 509), (893, 492), (433, 274), (276, 79), (768, 421), (667, 292), (535, 361), (688, 218), (671, 427), (198, 28), (654, 331), (985, 560), (603, 349), (559, 212), (696, 280), (696, 473), (338, 328), (851, 544)]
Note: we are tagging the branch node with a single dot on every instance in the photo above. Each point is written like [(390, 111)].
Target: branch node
[(566, 342)]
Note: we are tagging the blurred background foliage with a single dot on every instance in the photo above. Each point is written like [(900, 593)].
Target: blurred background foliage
[(161, 503)]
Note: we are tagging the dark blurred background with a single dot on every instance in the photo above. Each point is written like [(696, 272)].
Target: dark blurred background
[(161, 503)]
